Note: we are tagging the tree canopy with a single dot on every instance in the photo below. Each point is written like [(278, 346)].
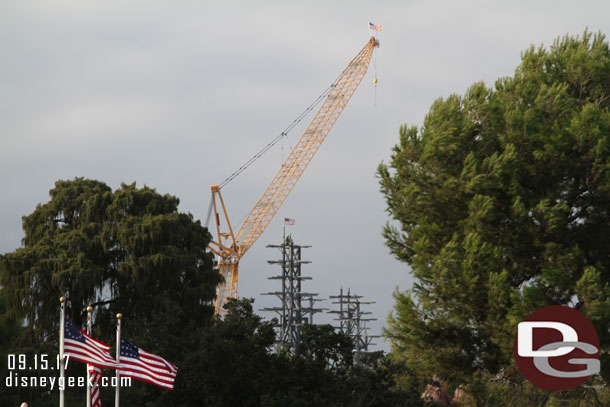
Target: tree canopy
[(132, 251), (128, 251), (500, 205), (112, 249)]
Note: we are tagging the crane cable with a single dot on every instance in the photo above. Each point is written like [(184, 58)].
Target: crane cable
[(272, 143), (375, 77), (279, 137)]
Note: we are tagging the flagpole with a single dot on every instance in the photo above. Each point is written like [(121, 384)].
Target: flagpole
[(118, 358), (89, 309), (62, 327)]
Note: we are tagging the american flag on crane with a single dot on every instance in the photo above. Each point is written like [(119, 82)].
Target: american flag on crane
[(374, 27)]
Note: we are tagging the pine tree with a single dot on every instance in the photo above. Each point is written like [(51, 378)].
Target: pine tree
[(501, 205)]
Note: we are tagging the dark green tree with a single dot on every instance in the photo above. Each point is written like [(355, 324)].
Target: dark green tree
[(321, 373), (381, 381), (323, 345), (235, 358), (128, 251), (112, 250), (9, 331), (500, 205), (131, 251)]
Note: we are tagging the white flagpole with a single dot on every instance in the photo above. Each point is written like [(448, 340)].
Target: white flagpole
[(62, 327), (89, 309), (118, 358)]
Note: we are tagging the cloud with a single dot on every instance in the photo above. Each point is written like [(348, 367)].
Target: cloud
[(177, 95)]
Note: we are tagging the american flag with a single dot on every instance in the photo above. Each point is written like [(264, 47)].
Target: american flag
[(288, 221), (95, 373), (80, 346), (374, 27), (145, 366)]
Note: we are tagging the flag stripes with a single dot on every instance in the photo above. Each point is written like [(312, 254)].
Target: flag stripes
[(80, 346), (95, 373), (146, 366), (374, 27)]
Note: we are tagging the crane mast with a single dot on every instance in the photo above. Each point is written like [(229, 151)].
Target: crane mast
[(230, 247)]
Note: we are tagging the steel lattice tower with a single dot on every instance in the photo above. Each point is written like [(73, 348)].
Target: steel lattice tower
[(297, 307), (352, 323)]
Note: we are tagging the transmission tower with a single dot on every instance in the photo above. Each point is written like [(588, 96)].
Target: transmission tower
[(352, 321), (297, 307)]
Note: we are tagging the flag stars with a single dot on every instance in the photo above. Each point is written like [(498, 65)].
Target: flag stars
[(129, 350)]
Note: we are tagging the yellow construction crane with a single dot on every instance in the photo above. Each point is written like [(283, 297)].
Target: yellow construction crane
[(230, 247)]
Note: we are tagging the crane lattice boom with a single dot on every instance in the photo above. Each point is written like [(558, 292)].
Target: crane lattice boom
[(293, 167)]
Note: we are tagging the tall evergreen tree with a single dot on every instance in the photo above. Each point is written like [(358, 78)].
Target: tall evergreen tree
[(128, 251), (501, 205)]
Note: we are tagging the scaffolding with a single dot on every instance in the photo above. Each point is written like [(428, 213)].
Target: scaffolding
[(353, 323), (297, 307)]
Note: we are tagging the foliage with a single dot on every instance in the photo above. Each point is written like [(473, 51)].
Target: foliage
[(234, 362), (131, 251), (321, 344), (230, 362), (490, 390), (110, 249), (9, 331), (501, 202), (9, 326), (235, 366), (127, 251)]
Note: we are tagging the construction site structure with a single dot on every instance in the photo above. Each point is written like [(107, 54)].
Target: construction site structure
[(352, 321), (297, 307), (230, 247)]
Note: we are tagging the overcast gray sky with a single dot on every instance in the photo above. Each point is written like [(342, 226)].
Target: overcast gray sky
[(178, 94)]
